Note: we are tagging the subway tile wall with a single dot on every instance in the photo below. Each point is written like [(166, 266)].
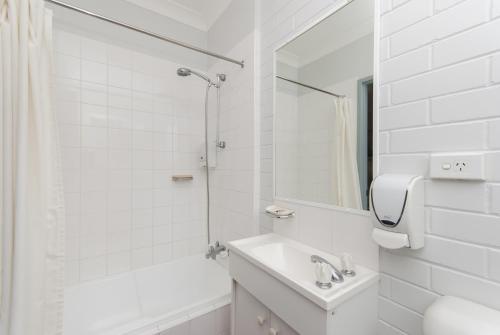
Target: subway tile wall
[(127, 124), (440, 71), (438, 74)]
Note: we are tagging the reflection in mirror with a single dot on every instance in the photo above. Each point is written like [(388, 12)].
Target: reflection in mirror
[(324, 111)]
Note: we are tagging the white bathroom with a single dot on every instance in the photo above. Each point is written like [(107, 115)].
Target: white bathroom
[(250, 167)]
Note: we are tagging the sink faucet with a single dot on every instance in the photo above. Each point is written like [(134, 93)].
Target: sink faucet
[(337, 276), (214, 250)]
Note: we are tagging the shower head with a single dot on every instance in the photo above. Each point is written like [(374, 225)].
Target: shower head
[(184, 72)]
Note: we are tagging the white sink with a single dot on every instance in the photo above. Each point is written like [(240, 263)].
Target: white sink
[(290, 263)]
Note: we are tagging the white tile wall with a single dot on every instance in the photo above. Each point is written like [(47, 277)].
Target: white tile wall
[(495, 69), (414, 11), (395, 68), (440, 25), (463, 106), (496, 9), (450, 282), (493, 131), (458, 94), (405, 115), (233, 182), (400, 317), (456, 78), (465, 136), (439, 5), (128, 123), (440, 69), (386, 329), (479, 41)]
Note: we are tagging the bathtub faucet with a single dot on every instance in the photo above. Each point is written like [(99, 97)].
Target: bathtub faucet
[(214, 250)]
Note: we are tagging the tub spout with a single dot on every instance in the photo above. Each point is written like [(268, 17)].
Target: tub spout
[(214, 250)]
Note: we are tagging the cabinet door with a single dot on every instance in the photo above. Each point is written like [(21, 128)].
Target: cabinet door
[(250, 316), (280, 327)]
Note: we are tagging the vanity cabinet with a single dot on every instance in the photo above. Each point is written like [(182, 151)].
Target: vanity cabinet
[(251, 317), (280, 327), (273, 292)]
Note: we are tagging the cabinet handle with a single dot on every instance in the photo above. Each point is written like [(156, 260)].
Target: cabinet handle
[(273, 331), (261, 320)]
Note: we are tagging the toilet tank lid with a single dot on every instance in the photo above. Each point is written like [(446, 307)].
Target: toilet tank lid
[(455, 316)]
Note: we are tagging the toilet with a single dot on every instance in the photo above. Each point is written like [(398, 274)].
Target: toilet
[(455, 316)]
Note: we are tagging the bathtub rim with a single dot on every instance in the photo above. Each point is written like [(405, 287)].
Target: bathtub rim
[(149, 325)]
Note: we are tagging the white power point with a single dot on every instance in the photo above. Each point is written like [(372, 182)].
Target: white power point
[(464, 166)]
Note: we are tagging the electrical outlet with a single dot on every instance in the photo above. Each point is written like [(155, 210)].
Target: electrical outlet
[(462, 166)]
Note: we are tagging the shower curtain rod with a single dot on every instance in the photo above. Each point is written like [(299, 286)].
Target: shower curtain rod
[(311, 87), (142, 31)]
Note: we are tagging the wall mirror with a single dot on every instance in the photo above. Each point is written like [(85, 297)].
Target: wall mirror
[(324, 114)]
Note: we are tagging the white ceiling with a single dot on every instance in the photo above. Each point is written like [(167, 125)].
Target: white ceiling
[(200, 14), (336, 31)]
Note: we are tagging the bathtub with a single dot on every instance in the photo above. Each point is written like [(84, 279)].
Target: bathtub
[(147, 301)]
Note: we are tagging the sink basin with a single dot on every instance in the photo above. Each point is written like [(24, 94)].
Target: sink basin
[(290, 262)]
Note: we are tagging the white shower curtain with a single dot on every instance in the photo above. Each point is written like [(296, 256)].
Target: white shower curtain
[(345, 165), (32, 211)]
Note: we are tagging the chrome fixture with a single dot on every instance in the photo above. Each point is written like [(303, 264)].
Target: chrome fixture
[(348, 273), (221, 144), (221, 77), (185, 72), (311, 87), (337, 276), (214, 250), (182, 177), (143, 31), (347, 265), (277, 212)]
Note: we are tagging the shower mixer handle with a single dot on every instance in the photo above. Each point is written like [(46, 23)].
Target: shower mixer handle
[(221, 144), (214, 250)]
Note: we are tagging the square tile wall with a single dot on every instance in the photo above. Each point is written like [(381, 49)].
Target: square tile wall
[(233, 182), (127, 124)]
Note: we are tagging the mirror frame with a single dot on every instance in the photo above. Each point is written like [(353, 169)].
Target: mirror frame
[(376, 90)]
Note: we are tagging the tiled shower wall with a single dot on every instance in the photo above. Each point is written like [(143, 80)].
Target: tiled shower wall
[(128, 123), (233, 181)]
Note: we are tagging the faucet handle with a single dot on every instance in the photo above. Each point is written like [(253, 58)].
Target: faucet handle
[(337, 276), (347, 265), (323, 276)]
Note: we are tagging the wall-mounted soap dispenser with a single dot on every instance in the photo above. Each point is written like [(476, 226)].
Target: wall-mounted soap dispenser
[(397, 209)]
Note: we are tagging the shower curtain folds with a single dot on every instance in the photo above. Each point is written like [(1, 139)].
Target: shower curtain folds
[(345, 165), (32, 209)]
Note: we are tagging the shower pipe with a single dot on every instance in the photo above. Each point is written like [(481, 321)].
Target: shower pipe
[(215, 249), (142, 31)]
